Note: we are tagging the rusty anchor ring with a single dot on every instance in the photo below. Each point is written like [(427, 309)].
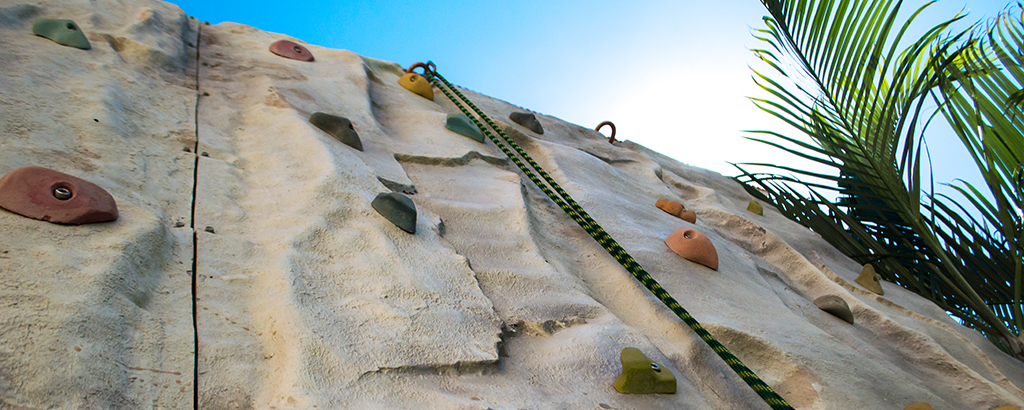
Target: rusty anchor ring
[(428, 69), (611, 139)]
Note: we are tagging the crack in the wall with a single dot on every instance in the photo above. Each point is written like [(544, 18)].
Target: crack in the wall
[(195, 236)]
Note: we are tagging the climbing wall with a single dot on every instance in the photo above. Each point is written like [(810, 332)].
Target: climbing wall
[(249, 266)]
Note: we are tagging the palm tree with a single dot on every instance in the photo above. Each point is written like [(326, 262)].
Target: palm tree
[(845, 74)]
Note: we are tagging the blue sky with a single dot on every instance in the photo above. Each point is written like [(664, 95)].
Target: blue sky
[(672, 75)]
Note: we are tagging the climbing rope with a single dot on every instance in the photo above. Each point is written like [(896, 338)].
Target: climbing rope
[(576, 212)]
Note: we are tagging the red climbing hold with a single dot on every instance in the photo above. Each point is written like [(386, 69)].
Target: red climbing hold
[(292, 50), (52, 196)]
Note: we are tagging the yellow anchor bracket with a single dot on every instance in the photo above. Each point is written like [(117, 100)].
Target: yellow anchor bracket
[(417, 83)]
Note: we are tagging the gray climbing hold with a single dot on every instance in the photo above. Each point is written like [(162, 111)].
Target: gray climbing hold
[(460, 124), (527, 120), (398, 209), (836, 306), (339, 127), (64, 32)]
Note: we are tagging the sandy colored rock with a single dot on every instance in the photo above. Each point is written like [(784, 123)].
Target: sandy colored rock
[(693, 246), (836, 306), (304, 297), (870, 279)]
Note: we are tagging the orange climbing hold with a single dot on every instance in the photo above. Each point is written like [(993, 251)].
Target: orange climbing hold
[(676, 209), (417, 83), (693, 246)]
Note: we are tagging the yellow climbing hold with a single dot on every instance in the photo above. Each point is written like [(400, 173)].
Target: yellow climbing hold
[(417, 84), (870, 279), (919, 406), (755, 208), (642, 376)]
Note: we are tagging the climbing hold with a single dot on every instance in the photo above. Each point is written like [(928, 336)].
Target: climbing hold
[(64, 32), (693, 246), (642, 376), (527, 120), (460, 124), (919, 406), (290, 49), (417, 83), (398, 209), (1006, 408), (339, 127), (870, 279), (676, 209), (52, 196), (836, 306), (611, 139), (755, 207)]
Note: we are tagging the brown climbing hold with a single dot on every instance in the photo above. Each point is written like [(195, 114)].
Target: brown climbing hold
[(919, 406), (836, 306), (870, 279), (676, 209), (1006, 408), (693, 246), (527, 120), (292, 50), (611, 139), (52, 196)]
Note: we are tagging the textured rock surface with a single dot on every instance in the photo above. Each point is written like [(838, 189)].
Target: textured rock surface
[(306, 298)]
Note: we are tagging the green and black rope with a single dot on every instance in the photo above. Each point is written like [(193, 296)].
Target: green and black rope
[(576, 212)]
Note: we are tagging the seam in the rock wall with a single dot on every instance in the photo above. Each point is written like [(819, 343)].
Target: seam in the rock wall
[(195, 236)]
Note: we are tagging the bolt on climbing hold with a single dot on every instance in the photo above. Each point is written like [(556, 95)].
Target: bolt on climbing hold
[(870, 279), (836, 306), (693, 246), (48, 195), (755, 207), (64, 32), (417, 83), (210, 229), (611, 139), (642, 376), (460, 124), (676, 209), (179, 224), (398, 209), (919, 406), (339, 127), (291, 49), (527, 120)]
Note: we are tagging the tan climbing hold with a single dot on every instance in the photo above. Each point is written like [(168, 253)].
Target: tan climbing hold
[(919, 406), (755, 207), (836, 306), (870, 279), (693, 246), (676, 209)]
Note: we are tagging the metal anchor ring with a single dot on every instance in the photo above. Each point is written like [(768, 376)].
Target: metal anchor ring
[(611, 140)]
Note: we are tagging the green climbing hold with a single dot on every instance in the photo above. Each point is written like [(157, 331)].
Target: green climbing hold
[(64, 32), (339, 128), (460, 124), (755, 208), (527, 120), (398, 209), (642, 376)]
